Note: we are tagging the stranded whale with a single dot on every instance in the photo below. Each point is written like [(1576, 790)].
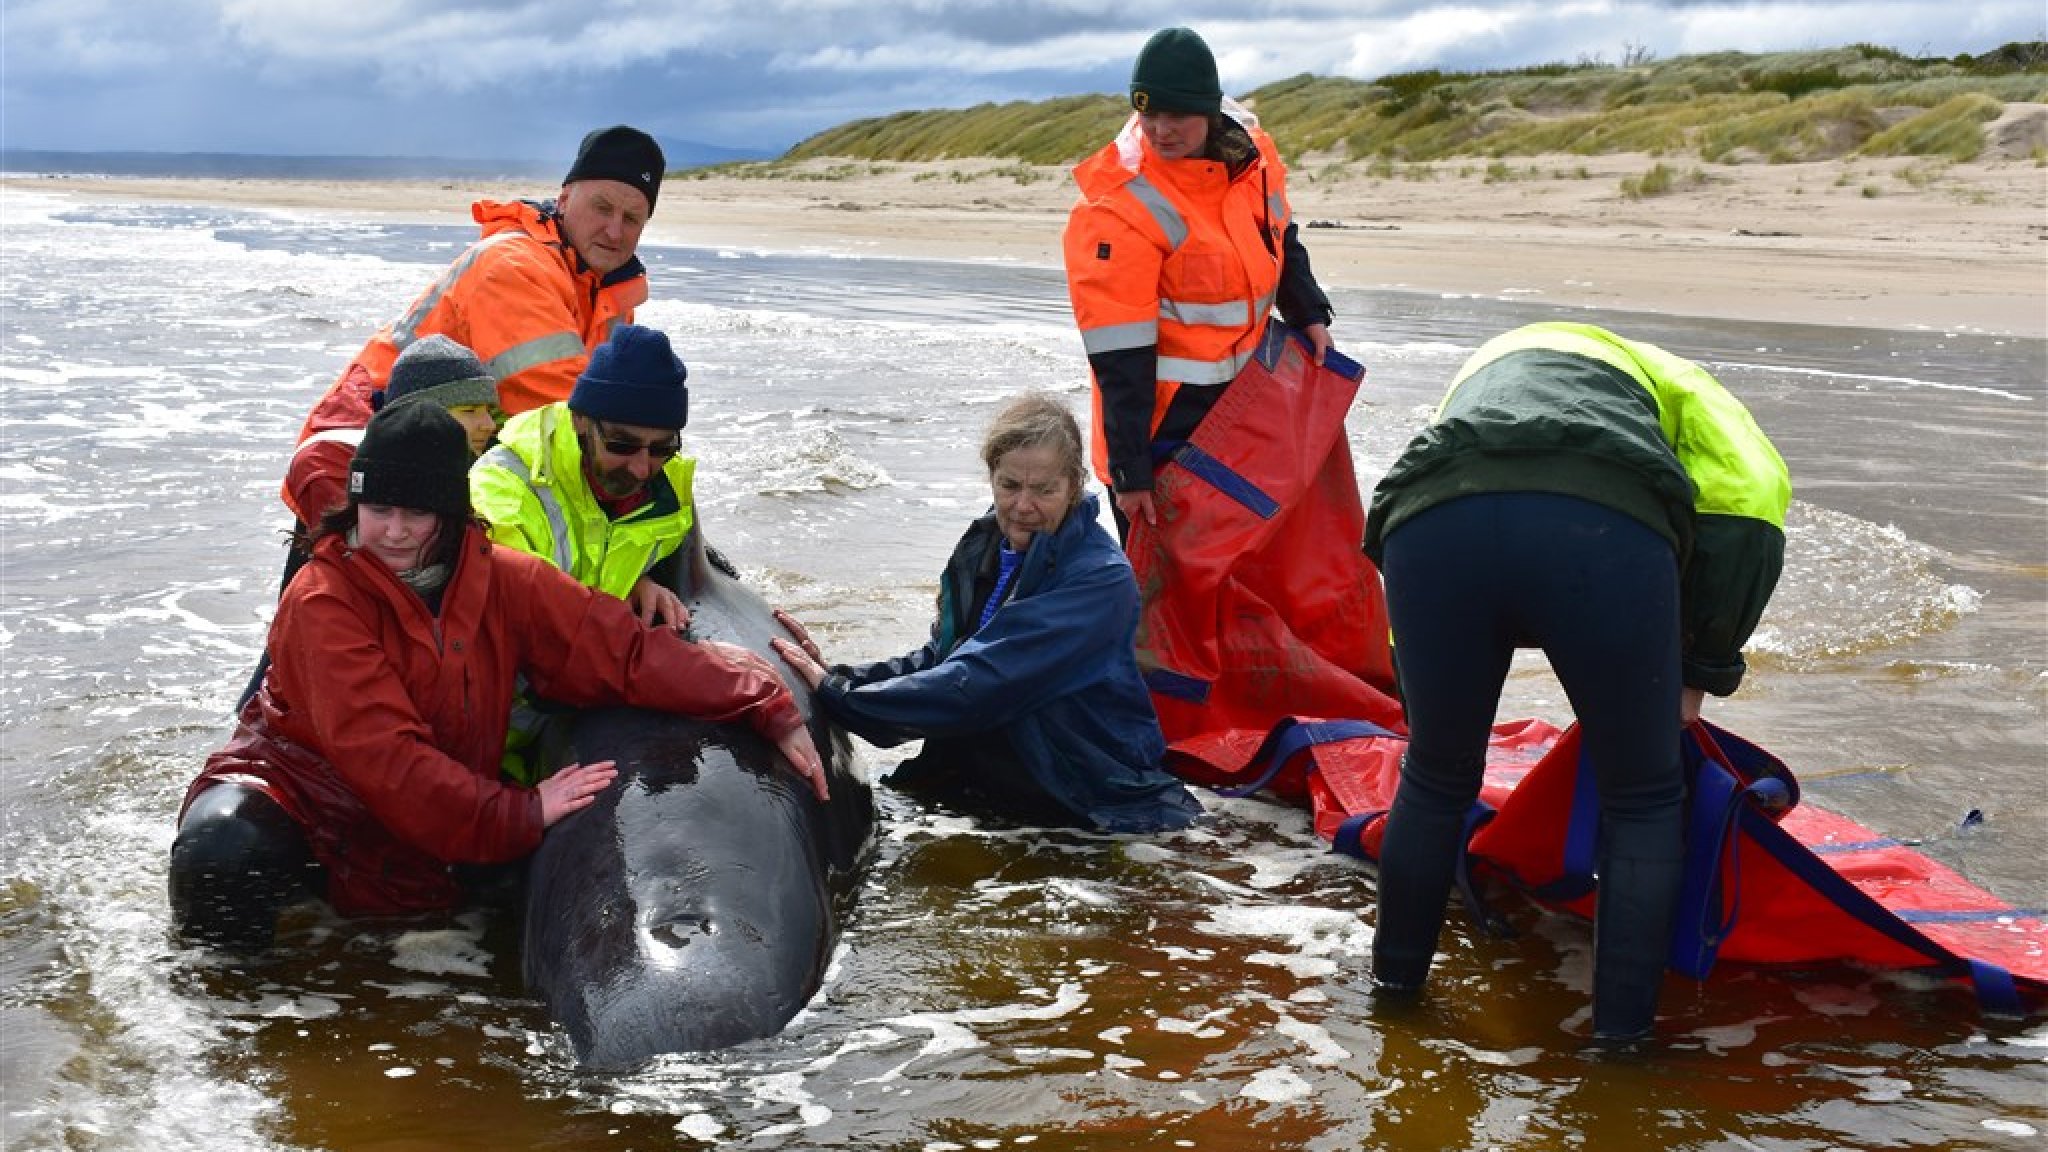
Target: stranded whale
[(695, 905)]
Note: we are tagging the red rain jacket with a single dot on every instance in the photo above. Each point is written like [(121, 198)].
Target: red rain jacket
[(380, 726)]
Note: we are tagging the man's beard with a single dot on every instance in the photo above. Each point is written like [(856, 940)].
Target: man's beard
[(619, 483)]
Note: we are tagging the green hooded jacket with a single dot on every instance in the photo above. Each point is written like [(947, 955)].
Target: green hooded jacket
[(1576, 410)]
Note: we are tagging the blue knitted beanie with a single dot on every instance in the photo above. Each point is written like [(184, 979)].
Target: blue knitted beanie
[(634, 378)]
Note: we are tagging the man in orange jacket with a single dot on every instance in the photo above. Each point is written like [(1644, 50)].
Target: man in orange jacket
[(542, 287)]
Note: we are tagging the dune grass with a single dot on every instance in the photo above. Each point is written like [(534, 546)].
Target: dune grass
[(1861, 99), (1951, 129)]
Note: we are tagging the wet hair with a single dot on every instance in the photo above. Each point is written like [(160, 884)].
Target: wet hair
[(1036, 420)]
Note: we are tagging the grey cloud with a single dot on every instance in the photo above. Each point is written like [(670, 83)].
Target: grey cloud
[(472, 77)]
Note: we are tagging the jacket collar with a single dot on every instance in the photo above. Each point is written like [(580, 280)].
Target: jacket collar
[(540, 219)]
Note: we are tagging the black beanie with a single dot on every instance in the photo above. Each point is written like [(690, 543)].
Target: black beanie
[(1176, 72), (413, 456), (620, 153), (439, 371), (634, 378)]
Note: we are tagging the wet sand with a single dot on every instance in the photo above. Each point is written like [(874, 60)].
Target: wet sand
[(1899, 243)]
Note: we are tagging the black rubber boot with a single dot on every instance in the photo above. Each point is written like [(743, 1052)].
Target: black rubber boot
[(1631, 940), (238, 860)]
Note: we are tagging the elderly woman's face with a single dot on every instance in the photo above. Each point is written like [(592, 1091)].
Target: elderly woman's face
[(1033, 492)]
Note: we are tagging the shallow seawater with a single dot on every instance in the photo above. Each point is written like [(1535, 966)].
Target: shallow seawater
[(994, 987)]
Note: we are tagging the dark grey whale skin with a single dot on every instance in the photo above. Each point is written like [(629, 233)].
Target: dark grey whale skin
[(695, 904)]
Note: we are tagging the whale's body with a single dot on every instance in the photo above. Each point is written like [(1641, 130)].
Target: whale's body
[(695, 905)]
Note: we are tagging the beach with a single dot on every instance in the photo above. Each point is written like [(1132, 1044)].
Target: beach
[(163, 341), (1906, 243)]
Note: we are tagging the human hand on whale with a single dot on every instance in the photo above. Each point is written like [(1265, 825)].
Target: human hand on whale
[(802, 656), (573, 789), (797, 745), (654, 604)]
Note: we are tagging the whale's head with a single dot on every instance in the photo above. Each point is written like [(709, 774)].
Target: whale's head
[(689, 909)]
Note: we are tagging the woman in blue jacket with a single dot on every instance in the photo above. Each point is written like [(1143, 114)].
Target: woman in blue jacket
[(1028, 696)]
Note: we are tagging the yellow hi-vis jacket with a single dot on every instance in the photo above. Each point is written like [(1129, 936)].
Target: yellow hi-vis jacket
[(531, 492)]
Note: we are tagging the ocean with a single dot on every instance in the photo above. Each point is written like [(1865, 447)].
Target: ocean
[(994, 988)]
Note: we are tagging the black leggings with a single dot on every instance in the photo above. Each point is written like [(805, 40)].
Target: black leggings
[(238, 861), (1470, 581)]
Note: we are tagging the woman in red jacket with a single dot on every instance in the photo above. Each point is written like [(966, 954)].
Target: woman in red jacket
[(366, 768)]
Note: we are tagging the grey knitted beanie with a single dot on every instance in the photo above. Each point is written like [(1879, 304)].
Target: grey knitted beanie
[(439, 370)]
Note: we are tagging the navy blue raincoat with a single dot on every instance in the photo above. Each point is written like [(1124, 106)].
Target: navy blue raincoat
[(1050, 684)]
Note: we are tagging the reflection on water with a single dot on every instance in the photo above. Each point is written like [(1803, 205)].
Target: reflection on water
[(994, 987)]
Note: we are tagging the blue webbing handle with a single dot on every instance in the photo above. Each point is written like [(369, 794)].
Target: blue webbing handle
[(1226, 480), (1343, 365), (1289, 737), (1350, 837), (1476, 817), (1274, 340), (1701, 924), (1178, 685), (1997, 992)]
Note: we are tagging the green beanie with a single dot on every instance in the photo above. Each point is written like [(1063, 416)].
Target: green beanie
[(1176, 72)]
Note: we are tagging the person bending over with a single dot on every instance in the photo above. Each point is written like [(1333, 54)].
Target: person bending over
[(1607, 502)]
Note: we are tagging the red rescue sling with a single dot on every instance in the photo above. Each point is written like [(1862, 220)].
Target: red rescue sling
[(1257, 603), (1768, 880)]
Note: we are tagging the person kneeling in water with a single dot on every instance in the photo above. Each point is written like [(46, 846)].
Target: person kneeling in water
[(365, 769), (1028, 696)]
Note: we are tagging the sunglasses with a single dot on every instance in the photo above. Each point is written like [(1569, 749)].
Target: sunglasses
[(619, 446)]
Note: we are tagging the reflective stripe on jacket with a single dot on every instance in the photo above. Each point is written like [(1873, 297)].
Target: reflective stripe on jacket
[(520, 298), (530, 489), (1177, 256)]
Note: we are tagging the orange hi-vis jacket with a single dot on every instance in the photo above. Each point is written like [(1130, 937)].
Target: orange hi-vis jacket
[(520, 298), (1176, 255)]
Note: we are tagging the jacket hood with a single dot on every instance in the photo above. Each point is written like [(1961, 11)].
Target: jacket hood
[(1130, 143)]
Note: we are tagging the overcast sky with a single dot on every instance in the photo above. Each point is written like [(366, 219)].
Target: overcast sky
[(513, 79)]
